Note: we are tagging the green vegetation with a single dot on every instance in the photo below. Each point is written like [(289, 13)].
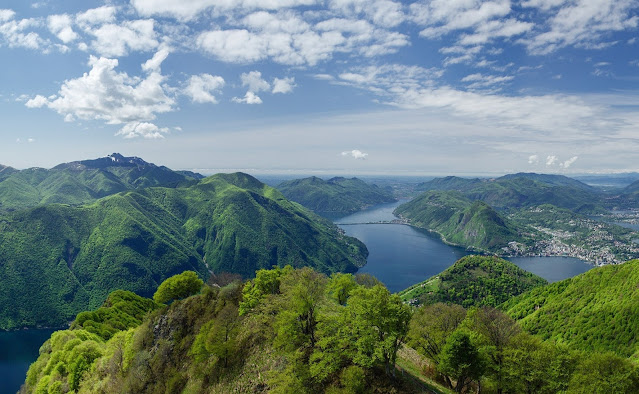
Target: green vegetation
[(334, 196), (474, 281), (72, 257), (296, 339), (523, 190), (83, 181), (596, 311), (177, 287), (460, 221)]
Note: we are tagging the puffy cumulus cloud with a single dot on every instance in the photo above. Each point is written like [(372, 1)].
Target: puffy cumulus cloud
[(581, 23), (111, 96), (96, 16), (550, 160), (187, 10), (356, 154), (200, 88), (384, 13), (253, 80), (569, 162), (283, 85), (15, 33), (249, 98), (154, 63), (60, 26), (113, 40), (287, 38), (533, 159), (142, 129)]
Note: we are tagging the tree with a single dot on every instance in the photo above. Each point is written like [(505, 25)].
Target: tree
[(605, 373), (430, 328), (379, 324), (266, 282), (339, 287), (177, 287), (496, 331), (460, 359)]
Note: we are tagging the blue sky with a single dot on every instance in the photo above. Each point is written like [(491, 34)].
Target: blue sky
[(327, 86)]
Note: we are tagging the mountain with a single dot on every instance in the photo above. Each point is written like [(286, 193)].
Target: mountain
[(632, 188), (83, 181), (596, 311), (205, 344), (523, 190), (473, 281), (459, 220), (335, 196), (70, 258)]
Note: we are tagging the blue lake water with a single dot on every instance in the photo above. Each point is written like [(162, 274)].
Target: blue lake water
[(18, 349), (401, 256)]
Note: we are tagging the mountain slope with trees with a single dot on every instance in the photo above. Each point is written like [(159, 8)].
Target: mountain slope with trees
[(336, 196), (84, 181), (472, 224), (72, 257), (473, 281)]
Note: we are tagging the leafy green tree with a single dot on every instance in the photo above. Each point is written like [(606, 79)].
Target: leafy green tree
[(460, 359), (177, 287), (431, 326), (266, 282), (379, 324), (605, 373), (339, 287), (495, 331)]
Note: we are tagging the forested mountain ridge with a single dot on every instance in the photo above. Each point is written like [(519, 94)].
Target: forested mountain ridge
[(472, 224), (72, 257), (520, 190), (334, 196), (473, 281), (596, 311), (83, 181)]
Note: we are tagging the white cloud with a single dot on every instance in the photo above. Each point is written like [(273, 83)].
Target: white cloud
[(187, 10), (384, 13), (113, 40), (253, 80), (550, 160), (287, 38), (60, 25), (581, 23), (569, 162), (533, 159), (479, 80), (283, 85), (96, 16), (30, 140), (111, 96), (356, 154), (14, 33), (142, 129), (202, 87), (155, 62), (249, 98)]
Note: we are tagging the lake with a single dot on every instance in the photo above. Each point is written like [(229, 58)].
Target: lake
[(401, 255), (18, 349)]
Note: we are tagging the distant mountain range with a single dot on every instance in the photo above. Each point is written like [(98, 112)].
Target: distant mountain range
[(336, 196), (84, 181), (57, 259)]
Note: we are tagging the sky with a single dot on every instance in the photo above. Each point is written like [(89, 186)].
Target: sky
[(323, 86)]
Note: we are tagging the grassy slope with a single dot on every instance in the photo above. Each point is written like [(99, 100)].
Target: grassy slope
[(69, 258), (337, 195), (596, 311), (474, 281), (459, 220)]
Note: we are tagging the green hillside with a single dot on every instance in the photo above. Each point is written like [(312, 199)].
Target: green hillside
[(595, 311), (523, 190), (473, 281), (472, 224), (82, 182), (70, 258), (334, 196)]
